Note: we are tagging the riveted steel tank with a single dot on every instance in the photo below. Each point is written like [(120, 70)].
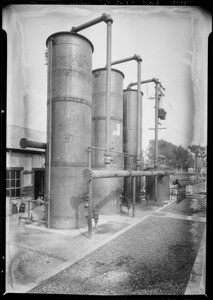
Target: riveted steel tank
[(163, 185), (69, 112), (130, 109), (106, 192)]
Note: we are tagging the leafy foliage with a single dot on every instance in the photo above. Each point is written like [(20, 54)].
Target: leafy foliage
[(178, 157)]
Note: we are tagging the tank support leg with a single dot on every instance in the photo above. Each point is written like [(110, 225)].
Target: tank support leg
[(90, 210), (133, 195)]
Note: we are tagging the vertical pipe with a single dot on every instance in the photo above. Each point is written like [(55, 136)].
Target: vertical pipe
[(156, 139), (198, 182), (49, 136), (156, 127), (28, 210), (90, 210), (108, 92), (90, 166), (90, 158), (139, 117), (133, 195)]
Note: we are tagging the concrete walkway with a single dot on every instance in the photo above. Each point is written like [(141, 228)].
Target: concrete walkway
[(37, 253)]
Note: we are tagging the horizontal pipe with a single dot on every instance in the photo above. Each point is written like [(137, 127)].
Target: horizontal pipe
[(89, 174), (155, 80), (144, 81), (122, 153), (32, 220), (122, 60), (24, 143), (134, 57), (104, 18)]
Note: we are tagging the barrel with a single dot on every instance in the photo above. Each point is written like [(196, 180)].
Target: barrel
[(69, 114), (106, 192), (14, 208)]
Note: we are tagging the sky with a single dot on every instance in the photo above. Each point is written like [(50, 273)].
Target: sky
[(172, 41)]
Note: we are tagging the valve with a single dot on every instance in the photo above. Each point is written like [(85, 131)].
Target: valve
[(138, 162), (86, 205), (95, 215), (121, 196), (142, 194), (113, 159), (107, 158)]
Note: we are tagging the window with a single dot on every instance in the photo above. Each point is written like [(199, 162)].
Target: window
[(13, 183)]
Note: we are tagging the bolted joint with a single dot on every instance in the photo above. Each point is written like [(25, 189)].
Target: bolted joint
[(107, 18), (137, 58), (87, 174)]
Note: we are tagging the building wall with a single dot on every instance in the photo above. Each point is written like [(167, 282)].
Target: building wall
[(23, 161)]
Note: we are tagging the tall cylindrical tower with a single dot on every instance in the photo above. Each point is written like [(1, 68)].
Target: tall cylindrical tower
[(130, 124), (106, 192), (69, 113)]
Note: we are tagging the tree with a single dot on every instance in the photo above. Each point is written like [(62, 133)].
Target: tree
[(200, 156), (176, 157), (165, 149)]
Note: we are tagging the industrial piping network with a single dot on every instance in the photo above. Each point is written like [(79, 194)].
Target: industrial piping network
[(158, 88), (107, 155), (88, 173), (139, 106), (108, 20), (24, 143)]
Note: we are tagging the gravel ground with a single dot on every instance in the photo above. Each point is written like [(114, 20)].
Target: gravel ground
[(23, 271), (189, 206), (153, 258)]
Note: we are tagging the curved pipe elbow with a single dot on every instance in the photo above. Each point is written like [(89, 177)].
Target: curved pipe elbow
[(107, 18), (137, 57)]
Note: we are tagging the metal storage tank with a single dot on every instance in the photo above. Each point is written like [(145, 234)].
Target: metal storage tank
[(69, 113), (106, 191), (130, 137), (163, 183)]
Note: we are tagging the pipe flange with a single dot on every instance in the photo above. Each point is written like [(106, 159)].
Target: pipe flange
[(87, 174), (23, 143)]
